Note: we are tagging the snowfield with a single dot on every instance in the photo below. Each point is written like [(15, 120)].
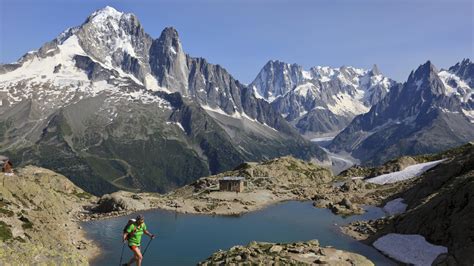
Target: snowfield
[(407, 173), (411, 249), (395, 206)]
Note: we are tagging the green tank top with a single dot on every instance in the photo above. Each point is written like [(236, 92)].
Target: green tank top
[(135, 235)]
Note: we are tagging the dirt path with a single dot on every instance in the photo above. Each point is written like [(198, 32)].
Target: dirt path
[(115, 181)]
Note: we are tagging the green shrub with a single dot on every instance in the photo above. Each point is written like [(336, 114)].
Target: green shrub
[(6, 212), (5, 232), (27, 224)]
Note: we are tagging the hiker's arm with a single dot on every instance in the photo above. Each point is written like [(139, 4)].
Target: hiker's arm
[(124, 237), (149, 234)]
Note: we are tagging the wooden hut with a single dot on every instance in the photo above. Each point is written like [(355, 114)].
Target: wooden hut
[(232, 183)]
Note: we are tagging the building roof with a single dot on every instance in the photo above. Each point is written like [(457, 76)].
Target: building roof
[(233, 178)]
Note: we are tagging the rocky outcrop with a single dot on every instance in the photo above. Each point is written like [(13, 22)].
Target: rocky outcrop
[(117, 202), (441, 207), (401, 163), (299, 253), (38, 219), (391, 166)]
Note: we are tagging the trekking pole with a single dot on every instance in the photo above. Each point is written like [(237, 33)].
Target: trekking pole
[(121, 254), (144, 251)]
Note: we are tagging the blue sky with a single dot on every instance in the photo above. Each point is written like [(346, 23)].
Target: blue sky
[(243, 35)]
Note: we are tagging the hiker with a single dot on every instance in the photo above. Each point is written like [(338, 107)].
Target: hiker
[(133, 234), (7, 166)]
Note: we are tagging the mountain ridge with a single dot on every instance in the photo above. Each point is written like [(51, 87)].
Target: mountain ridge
[(322, 100), (409, 121)]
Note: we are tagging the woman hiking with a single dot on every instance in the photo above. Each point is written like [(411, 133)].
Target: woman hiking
[(133, 234)]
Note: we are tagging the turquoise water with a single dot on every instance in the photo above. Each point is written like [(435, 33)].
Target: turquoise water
[(185, 239)]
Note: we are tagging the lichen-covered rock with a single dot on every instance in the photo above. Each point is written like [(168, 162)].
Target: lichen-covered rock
[(299, 253)]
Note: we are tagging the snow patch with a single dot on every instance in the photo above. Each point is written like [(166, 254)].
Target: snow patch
[(418, 84), (461, 89), (469, 114), (152, 84), (395, 206), (306, 74), (329, 138), (40, 69), (236, 115), (178, 124), (215, 110), (411, 249), (346, 104), (172, 50), (305, 90), (257, 94), (444, 110), (405, 174)]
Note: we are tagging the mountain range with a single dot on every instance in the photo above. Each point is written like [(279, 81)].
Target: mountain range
[(109, 106), (431, 111), (323, 100), (112, 108)]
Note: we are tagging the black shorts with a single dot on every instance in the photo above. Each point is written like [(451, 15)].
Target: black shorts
[(132, 248)]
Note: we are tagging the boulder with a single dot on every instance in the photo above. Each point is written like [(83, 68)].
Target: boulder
[(117, 202), (322, 203), (276, 249), (353, 185), (347, 203)]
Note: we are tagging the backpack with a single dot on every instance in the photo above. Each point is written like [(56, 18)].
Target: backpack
[(130, 222)]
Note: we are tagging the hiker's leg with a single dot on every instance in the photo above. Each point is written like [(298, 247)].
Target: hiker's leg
[(138, 257), (133, 259)]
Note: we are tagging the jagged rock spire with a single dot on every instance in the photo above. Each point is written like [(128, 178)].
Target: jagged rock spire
[(375, 70), (168, 61)]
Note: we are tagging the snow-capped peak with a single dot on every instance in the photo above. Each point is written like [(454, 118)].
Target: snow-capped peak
[(103, 14), (455, 85), (343, 91)]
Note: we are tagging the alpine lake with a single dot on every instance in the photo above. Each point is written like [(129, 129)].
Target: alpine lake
[(186, 239)]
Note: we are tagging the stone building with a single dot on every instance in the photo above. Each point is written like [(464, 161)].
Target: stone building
[(232, 183)]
